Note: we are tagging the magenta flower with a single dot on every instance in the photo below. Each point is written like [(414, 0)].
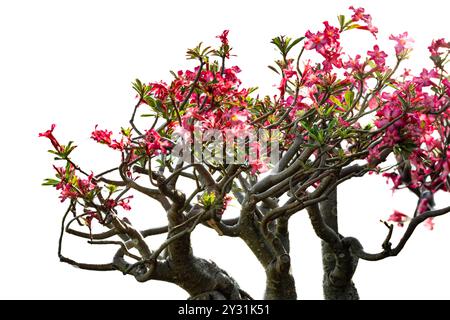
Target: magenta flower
[(436, 45), (377, 56), (86, 185), (125, 203), (404, 43), (49, 134), (429, 224), (224, 37), (160, 90), (359, 15), (154, 144), (102, 136), (67, 191), (399, 217), (315, 40)]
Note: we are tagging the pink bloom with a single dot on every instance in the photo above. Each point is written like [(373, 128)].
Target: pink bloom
[(160, 90), (446, 83), (436, 45), (154, 144), (125, 203), (377, 56), (86, 185), (289, 72), (104, 137), (423, 205), (315, 40), (49, 134), (354, 65), (101, 136), (425, 77), (359, 15), (399, 217), (238, 116), (91, 215), (396, 179), (67, 191), (429, 224), (224, 37), (258, 166), (404, 43), (255, 159), (343, 123)]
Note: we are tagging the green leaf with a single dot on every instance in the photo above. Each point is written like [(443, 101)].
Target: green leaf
[(50, 182), (294, 43), (336, 101), (341, 19), (349, 96), (208, 199), (404, 103), (273, 69), (126, 131)]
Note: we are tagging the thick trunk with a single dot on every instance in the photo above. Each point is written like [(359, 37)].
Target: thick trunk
[(338, 267), (204, 280), (333, 289), (280, 284)]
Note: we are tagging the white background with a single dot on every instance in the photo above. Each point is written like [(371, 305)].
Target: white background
[(71, 63)]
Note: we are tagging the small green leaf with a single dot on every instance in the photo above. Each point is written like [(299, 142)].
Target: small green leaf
[(294, 43), (336, 101), (50, 182), (273, 69), (341, 19), (349, 96)]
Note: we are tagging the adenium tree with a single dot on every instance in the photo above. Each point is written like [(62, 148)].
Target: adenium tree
[(334, 117)]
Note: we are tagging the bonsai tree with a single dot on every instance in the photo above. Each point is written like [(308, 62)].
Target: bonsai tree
[(335, 117)]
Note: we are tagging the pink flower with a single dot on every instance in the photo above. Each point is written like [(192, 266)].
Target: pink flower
[(154, 144), (436, 45), (404, 43), (238, 116), (343, 123), (101, 136), (446, 83), (289, 72), (49, 134), (359, 15), (258, 166), (224, 37), (429, 224), (355, 64), (399, 217), (104, 137), (396, 179), (255, 159), (425, 77), (86, 185), (91, 215), (125, 203), (160, 90), (315, 40), (377, 56), (67, 191), (423, 205)]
